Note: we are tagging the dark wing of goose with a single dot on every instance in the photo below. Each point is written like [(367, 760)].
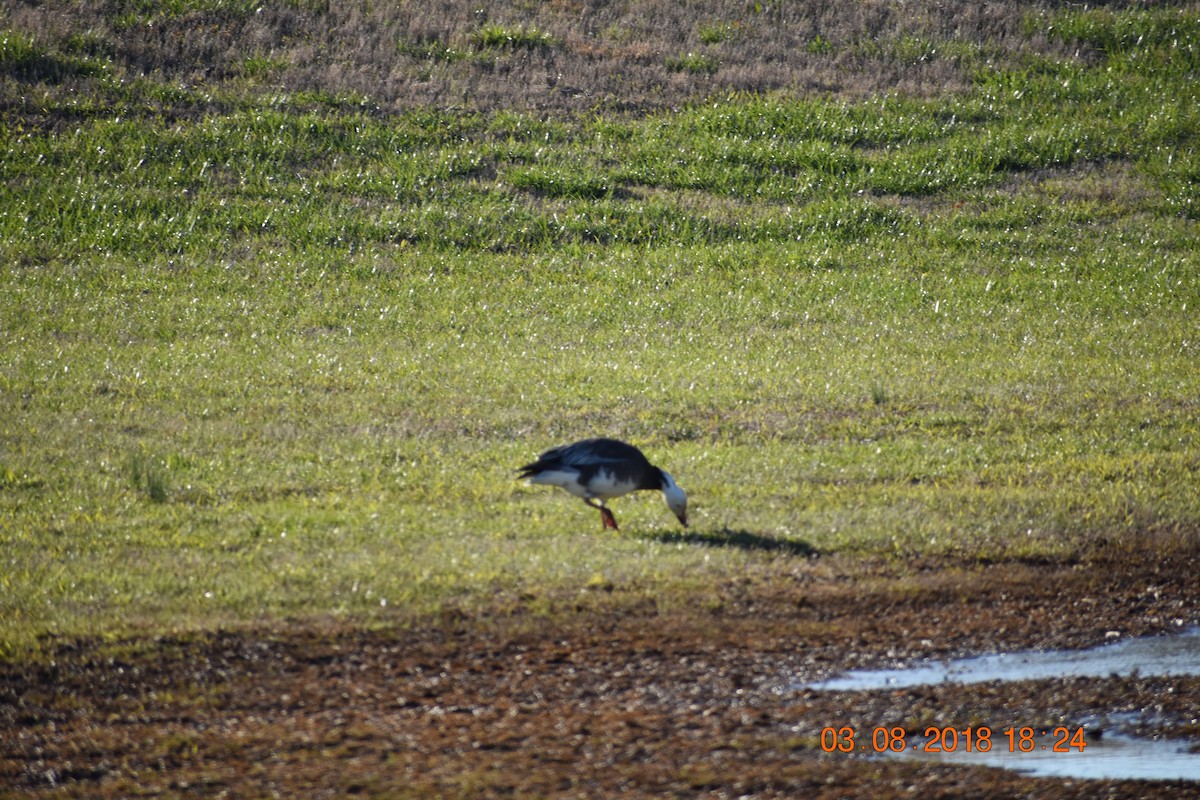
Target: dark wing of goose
[(591, 456), (599, 451)]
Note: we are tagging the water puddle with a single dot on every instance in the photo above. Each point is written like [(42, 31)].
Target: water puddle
[(1046, 753), (1150, 655), (1115, 756)]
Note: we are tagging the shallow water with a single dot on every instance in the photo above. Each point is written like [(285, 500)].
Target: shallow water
[(1150, 655), (1114, 756)]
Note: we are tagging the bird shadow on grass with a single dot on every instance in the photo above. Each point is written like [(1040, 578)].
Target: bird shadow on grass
[(741, 539)]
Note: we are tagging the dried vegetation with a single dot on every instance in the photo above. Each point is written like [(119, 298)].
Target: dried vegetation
[(581, 56)]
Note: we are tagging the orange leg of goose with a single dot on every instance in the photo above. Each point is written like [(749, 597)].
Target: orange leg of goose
[(606, 516)]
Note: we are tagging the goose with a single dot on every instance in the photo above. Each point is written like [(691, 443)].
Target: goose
[(601, 469)]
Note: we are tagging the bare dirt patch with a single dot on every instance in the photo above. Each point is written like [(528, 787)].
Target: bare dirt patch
[(615, 698)]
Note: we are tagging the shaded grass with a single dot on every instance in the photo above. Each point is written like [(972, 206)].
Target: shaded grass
[(280, 360)]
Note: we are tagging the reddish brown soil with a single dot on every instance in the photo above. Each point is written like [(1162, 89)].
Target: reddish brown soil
[(608, 698)]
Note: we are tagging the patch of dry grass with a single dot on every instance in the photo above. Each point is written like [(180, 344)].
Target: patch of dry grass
[(590, 55)]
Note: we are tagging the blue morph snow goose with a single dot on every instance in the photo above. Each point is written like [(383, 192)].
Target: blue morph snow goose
[(601, 469)]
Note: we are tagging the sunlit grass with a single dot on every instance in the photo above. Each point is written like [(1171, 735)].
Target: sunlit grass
[(283, 359)]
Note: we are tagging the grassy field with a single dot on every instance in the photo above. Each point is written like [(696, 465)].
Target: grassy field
[(275, 352)]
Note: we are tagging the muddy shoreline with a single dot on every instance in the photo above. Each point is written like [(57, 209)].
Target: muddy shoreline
[(615, 698)]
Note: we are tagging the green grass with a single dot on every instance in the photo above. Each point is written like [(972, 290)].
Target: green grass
[(695, 63), (280, 359), (717, 32), (505, 36)]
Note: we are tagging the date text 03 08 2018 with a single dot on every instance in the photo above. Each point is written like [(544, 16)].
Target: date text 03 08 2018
[(951, 740)]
